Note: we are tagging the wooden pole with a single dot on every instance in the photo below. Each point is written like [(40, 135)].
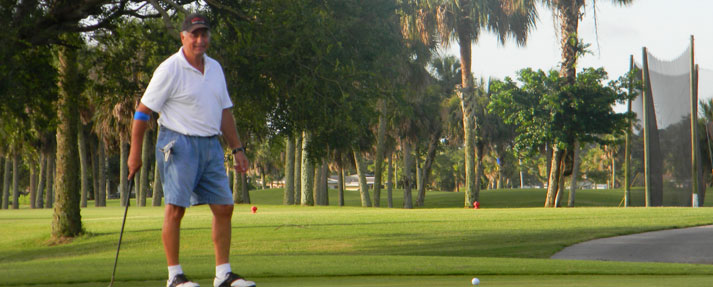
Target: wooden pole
[(694, 129), (647, 156)]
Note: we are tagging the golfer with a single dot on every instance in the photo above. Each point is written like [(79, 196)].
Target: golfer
[(189, 92)]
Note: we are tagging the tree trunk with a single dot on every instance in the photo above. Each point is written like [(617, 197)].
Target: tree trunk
[(379, 157), (471, 178), (39, 197), (237, 188), (6, 183), (15, 179), (51, 170), (569, 22), (244, 186), (83, 163), (319, 189), (560, 184), (94, 157), (419, 173), (143, 184), (361, 172), (307, 173), (340, 185), (288, 197), (568, 14), (102, 169), (467, 102), (430, 157), (500, 161), (67, 220), (552, 184), (406, 150), (613, 169), (2, 177), (390, 181), (107, 179), (575, 171), (548, 162), (298, 169), (480, 150), (33, 184), (325, 178)]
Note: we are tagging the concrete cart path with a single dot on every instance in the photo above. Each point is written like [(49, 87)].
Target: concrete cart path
[(687, 245)]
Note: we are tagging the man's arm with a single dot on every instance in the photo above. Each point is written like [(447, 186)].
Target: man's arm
[(230, 133), (138, 128)]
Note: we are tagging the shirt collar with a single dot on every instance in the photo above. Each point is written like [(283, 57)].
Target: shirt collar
[(186, 65)]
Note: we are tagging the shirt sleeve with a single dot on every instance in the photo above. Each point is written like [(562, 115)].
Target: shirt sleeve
[(159, 89)]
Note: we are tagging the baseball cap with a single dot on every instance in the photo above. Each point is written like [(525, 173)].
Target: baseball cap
[(195, 21)]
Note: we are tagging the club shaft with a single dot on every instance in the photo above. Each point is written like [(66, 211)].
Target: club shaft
[(121, 234)]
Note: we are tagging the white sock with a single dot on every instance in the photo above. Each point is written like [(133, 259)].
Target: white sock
[(174, 270), (221, 271)]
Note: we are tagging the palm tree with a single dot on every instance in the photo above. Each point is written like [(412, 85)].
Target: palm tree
[(463, 20), (447, 74), (567, 13)]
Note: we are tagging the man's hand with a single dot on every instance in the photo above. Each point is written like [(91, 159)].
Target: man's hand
[(240, 162), (134, 163)]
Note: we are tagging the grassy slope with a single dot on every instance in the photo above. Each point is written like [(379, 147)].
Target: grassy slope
[(282, 242)]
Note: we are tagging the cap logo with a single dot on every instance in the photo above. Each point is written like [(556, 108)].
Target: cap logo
[(197, 20)]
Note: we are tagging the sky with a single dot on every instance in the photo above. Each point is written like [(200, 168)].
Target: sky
[(663, 26)]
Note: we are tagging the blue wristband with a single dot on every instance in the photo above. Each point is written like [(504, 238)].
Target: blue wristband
[(140, 116)]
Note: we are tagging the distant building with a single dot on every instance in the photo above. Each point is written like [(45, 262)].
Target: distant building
[(351, 182)]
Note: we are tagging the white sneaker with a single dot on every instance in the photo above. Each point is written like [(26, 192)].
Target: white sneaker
[(180, 280), (233, 280)]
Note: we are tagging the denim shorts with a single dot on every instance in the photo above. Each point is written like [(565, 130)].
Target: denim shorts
[(191, 169)]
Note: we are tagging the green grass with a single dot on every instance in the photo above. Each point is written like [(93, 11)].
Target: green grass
[(502, 198), (353, 246)]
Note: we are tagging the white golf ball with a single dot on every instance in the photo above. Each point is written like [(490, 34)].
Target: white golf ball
[(475, 281)]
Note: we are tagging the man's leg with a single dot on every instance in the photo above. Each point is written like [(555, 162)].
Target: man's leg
[(222, 214), (171, 232)]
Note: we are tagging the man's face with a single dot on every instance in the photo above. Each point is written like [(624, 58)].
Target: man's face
[(195, 43)]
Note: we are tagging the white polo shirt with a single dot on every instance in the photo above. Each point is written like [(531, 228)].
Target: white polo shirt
[(188, 101)]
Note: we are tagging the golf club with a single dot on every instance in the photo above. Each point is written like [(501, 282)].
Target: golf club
[(121, 234)]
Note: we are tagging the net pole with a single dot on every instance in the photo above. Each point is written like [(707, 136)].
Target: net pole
[(627, 143), (646, 90), (694, 128)]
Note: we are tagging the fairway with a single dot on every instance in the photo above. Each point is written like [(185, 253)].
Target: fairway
[(454, 281), (349, 246)]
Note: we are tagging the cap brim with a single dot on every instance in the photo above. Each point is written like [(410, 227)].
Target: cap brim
[(196, 27)]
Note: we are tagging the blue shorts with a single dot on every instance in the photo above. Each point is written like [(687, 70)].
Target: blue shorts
[(191, 169)]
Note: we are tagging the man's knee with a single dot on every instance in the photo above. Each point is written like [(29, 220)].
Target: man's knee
[(174, 212), (222, 210)]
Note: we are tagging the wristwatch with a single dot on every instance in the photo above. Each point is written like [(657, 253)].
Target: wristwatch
[(237, 149)]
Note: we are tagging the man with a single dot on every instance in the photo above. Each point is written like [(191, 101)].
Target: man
[(189, 92)]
